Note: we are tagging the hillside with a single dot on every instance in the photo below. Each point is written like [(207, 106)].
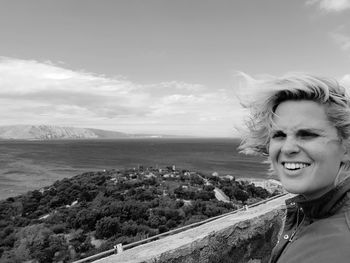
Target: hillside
[(91, 212), (48, 132)]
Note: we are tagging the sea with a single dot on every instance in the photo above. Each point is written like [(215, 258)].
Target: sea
[(30, 165)]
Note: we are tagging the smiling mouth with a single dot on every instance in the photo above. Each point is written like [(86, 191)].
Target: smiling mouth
[(294, 166)]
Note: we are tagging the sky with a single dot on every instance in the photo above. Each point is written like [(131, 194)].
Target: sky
[(158, 66)]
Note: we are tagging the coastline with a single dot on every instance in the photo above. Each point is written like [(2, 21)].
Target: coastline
[(30, 165)]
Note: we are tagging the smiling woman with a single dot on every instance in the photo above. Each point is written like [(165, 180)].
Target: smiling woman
[(305, 149), (302, 124)]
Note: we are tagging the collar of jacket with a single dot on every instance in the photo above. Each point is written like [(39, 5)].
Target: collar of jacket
[(324, 206)]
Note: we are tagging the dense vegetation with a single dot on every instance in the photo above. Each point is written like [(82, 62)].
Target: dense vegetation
[(91, 212)]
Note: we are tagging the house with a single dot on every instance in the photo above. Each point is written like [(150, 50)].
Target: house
[(230, 177), (150, 175)]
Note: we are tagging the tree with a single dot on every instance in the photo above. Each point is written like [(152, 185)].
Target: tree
[(208, 188), (163, 229), (241, 195), (145, 195), (261, 192), (171, 223), (40, 243), (180, 192), (29, 206), (85, 196), (107, 227), (229, 191), (204, 195), (80, 241), (154, 220), (212, 210), (129, 228), (196, 180), (85, 219)]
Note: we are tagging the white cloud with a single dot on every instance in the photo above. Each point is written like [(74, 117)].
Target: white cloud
[(182, 86), (331, 5), (341, 39), (345, 81), (33, 92)]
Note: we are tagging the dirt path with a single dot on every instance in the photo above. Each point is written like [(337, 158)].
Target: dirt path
[(220, 195)]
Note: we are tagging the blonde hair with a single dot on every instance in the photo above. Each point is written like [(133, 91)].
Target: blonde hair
[(269, 92)]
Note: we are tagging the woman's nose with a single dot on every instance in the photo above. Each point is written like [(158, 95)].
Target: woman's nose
[(290, 146)]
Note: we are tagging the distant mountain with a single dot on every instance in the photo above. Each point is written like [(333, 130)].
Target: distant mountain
[(48, 132)]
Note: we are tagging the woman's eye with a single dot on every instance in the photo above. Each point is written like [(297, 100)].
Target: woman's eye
[(307, 135), (278, 135)]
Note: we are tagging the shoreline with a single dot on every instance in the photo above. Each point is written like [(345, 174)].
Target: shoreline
[(24, 183)]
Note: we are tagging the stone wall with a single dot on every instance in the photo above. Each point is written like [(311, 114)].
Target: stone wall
[(247, 236)]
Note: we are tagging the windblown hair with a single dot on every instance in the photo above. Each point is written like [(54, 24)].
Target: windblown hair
[(270, 92)]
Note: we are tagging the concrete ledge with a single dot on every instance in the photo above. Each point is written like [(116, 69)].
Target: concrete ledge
[(247, 236)]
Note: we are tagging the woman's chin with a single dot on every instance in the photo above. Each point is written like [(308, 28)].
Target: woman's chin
[(293, 186)]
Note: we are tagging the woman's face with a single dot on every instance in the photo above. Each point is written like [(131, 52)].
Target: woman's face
[(305, 149)]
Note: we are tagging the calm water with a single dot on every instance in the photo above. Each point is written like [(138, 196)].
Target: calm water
[(28, 165)]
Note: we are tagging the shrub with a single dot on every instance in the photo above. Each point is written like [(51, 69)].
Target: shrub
[(107, 227)]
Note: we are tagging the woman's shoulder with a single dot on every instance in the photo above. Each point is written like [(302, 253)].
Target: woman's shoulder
[(334, 225), (325, 240)]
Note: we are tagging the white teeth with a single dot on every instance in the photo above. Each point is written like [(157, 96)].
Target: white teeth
[(294, 166)]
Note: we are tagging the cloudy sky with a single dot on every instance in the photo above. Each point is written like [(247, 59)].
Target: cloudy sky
[(158, 66)]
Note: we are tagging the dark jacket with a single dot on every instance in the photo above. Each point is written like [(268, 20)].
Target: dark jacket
[(316, 231)]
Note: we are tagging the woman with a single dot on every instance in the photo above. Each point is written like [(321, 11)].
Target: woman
[(302, 123)]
